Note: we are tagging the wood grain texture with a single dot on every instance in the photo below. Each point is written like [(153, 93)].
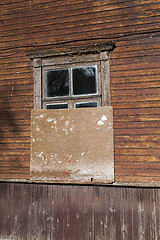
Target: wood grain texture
[(133, 26), (37, 211)]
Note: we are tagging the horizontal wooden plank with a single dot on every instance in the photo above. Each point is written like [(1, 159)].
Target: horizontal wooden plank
[(16, 87), (15, 140), (17, 93), (17, 105), (15, 82), (16, 158), (13, 77), (14, 128), (134, 48), (12, 63), (134, 79), (147, 167), (136, 72), (15, 99), (13, 56), (15, 146), (14, 165), (12, 121), (136, 145), (141, 66), (142, 52), (140, 172), (136, 117), (132, 85), (138, 66), (6, 170), (12, 134), (141, 99), (138, 104), (132, 139), (15, 175), (136, 92), (137, 125), (137, 131), (137, 152), (137, 111), (131, 62), (14, 152), (136, 179), (144, 39), (14, 71), (21, 113), (135, 158)]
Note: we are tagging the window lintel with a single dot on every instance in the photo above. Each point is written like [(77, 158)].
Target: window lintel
[(64, 51)]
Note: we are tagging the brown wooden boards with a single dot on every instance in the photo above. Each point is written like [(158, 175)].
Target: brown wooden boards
[(37, 26), (71, 212), (73, 145)]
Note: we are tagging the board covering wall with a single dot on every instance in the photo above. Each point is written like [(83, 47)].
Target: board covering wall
[(133, 26), (72, 145)]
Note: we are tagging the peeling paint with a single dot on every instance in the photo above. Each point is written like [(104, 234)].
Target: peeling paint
[(104, 118), (100, 123), (66, 123), (49, 119), (37, 129), (41, 116)]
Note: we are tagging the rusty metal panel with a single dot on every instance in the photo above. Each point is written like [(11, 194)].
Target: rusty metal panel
[(73, 145)]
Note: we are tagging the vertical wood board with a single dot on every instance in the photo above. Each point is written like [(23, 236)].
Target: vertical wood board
[(53, 212)]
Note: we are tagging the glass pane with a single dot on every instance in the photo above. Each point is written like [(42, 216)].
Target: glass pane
[(57, 83), (85, 105), (57, 106), (84, 80)]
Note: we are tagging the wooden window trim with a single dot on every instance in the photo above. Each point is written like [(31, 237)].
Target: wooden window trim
[(98, 56)]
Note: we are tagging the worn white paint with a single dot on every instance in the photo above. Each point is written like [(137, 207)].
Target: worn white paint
[(66, 123), (37, 129), (104, 118), (100, 123), (41, 116), (49, 119)]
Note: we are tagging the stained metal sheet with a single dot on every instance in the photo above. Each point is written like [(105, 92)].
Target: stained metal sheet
[(72, 145)]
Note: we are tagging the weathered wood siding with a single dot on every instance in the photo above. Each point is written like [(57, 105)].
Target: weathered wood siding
[(35, 211), (133, 25)]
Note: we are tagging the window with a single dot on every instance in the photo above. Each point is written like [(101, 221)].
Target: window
[(76, 81), (74, 142), (72, 85)]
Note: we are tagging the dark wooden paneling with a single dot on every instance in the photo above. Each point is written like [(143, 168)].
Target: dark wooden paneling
[(30, 211)]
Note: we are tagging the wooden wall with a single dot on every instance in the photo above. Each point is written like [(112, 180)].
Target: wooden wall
[(133, 25), (55, 212)]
